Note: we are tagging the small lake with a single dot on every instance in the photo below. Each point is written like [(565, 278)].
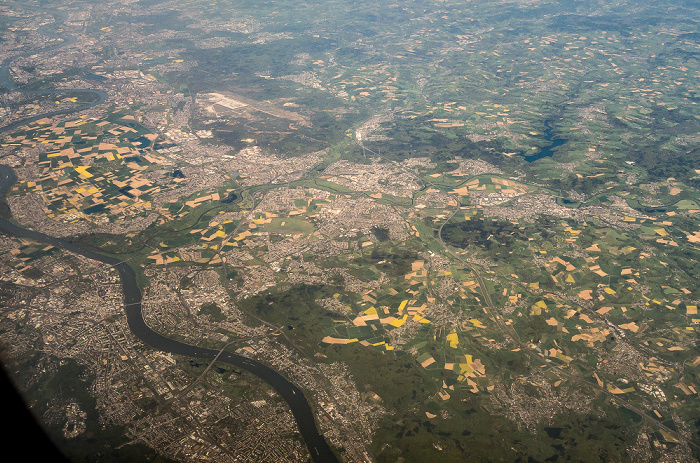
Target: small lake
[(548, 150)]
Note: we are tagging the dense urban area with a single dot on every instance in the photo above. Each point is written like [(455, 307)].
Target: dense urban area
[(464, 230)]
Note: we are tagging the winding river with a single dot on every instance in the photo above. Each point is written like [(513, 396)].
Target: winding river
[(318, 447)]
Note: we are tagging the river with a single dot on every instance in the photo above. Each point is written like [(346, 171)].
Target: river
[(318, 447)]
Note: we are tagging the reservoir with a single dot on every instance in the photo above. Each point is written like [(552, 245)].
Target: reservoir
[(548, 150)]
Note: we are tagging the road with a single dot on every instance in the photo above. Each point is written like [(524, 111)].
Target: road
[(538, 357), (319, 449)]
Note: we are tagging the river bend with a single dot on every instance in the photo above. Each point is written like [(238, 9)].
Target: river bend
[(318, 447)]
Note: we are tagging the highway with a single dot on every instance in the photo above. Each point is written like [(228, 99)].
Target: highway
[(538, 357)]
